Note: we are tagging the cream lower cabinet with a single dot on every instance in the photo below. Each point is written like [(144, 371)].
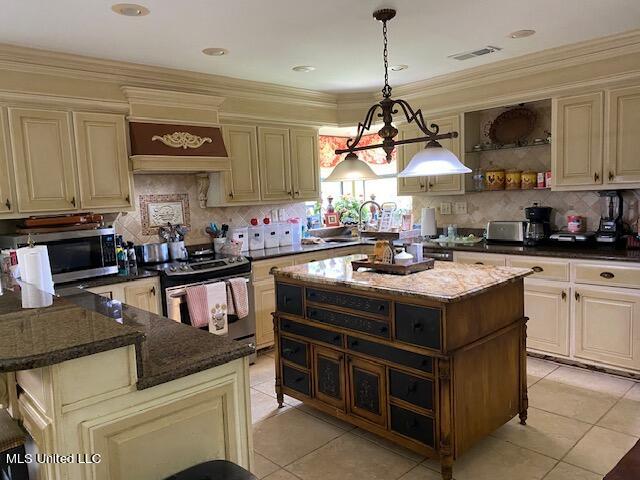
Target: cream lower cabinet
[(45, 172), (548, 306), (264, 304), (103, 163), (143, 294), (607, 325), (480, 258)]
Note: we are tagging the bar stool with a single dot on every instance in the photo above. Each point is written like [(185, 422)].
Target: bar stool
[(12, 440), (214, 470)]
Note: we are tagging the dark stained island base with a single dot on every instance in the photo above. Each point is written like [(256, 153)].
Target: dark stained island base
[(433, 361)]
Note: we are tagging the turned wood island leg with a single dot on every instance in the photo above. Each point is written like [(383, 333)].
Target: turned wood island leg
[(524, 397), (276, 330)]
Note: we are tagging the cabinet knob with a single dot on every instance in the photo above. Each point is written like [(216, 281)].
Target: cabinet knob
[(230, 194), (607, 275), (611, 176), (422, 186), (576, 295), (127, 199), (8, 204), (564, 295), (430, 185), (291, 193), (153, 290), (596, 177), (297, 194), (417, 326), (381, 308), (73, 201), (537, 269)]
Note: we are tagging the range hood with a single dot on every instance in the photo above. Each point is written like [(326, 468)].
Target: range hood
[(175, 132)]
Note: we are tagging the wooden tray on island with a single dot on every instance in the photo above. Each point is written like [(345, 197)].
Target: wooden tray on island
[(393, 268)]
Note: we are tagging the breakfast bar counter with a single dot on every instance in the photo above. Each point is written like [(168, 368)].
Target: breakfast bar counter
[(434, 361), (96, 376)]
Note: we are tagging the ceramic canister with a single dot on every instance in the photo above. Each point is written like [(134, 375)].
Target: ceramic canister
[(529, 180), (494, 179), (512, 179)]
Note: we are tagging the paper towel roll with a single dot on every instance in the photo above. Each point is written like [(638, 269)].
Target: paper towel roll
[(35, 268), (33, 297), (428, 223)]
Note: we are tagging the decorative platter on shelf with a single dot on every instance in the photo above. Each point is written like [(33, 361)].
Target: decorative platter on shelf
[(393, 268), (512, 126)]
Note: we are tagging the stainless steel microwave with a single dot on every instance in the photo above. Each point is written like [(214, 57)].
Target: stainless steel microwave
[(74, 255)]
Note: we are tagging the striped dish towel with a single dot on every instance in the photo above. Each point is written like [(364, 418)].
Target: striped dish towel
[(198, 305), (237, 297)]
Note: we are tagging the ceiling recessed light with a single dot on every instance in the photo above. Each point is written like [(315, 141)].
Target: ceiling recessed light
[(130, 9), (521, 33), (397, 68), (215, 52), (303, 68)]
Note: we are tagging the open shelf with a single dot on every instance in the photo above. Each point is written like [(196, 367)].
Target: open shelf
[(520, 147)]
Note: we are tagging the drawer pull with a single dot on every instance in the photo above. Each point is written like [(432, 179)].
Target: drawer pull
[(272, 270), (381, 308), (417, 327), (312, 295), (607, 275), (290, 351), (479, 263), (537, 269), (411, 424), (413, 388), (336, 338), (298, 379), (384, 329)]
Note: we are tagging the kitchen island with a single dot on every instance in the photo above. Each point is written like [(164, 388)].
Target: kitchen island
[(434, 361), (88, 375)]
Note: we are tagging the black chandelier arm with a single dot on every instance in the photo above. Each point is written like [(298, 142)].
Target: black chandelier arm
[(428, 138), (417, 117), (362, 127)]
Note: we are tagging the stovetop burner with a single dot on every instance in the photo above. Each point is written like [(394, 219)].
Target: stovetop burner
[(205, 263)]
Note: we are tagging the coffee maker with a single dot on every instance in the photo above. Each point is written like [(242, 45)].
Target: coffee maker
[(538, 226), (611, 228)]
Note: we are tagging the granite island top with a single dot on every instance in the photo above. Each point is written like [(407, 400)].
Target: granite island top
[(446, 282), (84, 324)]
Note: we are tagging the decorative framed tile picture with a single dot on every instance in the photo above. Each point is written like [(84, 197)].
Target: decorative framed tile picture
[(158, 210)]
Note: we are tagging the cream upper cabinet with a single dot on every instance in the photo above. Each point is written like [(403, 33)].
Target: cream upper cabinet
[(622, 162), (275, 163), (409, 185), (447, 184), (43, 160), (103, 163), (7, 204), (607, 326), (242, 183), (305, 172), (547, 304), (577, 147)]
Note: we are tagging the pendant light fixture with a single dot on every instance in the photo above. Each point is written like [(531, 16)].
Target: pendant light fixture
[(434, 159), (351, 168)]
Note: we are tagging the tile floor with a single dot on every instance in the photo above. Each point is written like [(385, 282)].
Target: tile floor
[(580, 424)]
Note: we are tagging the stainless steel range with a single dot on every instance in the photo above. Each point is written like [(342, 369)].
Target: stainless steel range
[(203, 267)]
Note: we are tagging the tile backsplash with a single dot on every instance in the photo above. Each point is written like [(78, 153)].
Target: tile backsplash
[(509, 205), (130, 227)]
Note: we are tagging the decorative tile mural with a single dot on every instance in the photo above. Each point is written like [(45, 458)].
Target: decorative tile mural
[(129, 224), (158, 210)]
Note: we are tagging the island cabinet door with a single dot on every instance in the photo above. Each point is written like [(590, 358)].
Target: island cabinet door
[(367, 390), (328, 366)]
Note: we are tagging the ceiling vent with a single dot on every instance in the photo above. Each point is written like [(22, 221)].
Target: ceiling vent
[(475, 53)]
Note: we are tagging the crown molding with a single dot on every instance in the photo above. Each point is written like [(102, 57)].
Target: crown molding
[(546, 60), (62, 102), (170, 98), (17, 58)]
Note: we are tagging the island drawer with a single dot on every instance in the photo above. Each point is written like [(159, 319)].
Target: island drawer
[(262, 270), (418, 325), (543, 269), (353, 302), (289, 298), (415, 390), (319, 334), (296, 380), (412, 425), (295, 351), (610, 275), (395, 355), (353, 322)]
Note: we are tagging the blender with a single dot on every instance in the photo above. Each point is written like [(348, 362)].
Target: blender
[(610, 229)]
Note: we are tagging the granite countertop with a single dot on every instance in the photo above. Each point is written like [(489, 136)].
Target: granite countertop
[(563, 250), (256, 255), (139, 274), (446, 282), (84, 324)]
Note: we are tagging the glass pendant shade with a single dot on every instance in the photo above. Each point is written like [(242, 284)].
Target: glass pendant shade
[(351, 168), (433, 160)]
